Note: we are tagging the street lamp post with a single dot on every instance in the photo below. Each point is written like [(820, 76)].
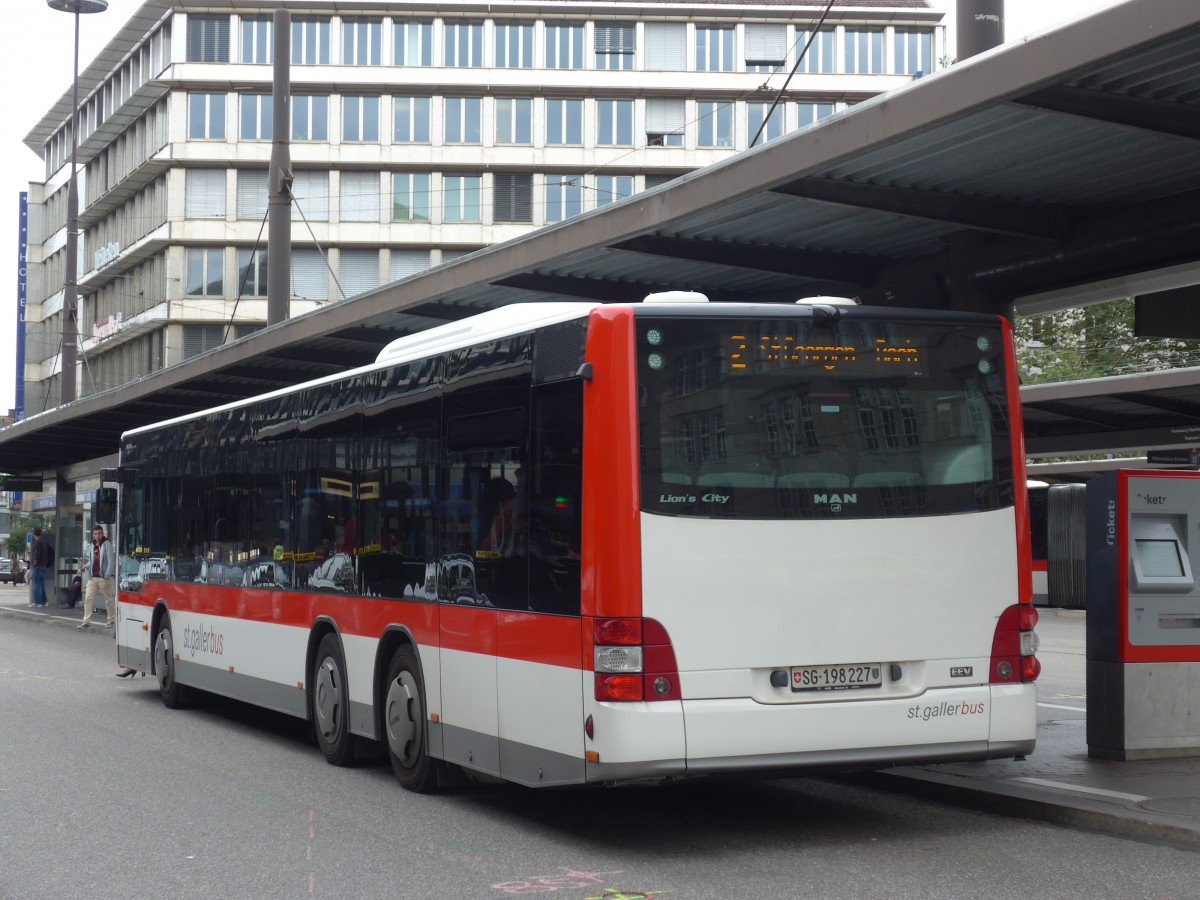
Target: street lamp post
[(70, 326)]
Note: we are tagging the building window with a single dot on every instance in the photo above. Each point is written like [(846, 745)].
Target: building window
[(614, 46), (666, 46), (462, 120), (610, 188), (463, 44), (564, 197), (310, 196), (310, 278), (514, 121), (819, 56), (864, 51), (812, 112), (913, 52), (413, 43), (251, 194), (564, 123), (410, 197), (204, 194), (714, 124), (411, 115), (665, 121), (766, 47), (360, 118), (755, 113), (255, 117), (206, 117), (358, 271), (460, 198), (514, 45), (310, 118), (310, 42), (564, 47), (199, 339), (204, 272), (252, 273), (407, 262), (614, 123), (360, 197), (208, 39), (714, 48), (257, 40), (362, 42), (512, 195)]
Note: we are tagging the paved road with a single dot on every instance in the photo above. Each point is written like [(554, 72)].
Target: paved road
[(107, 794)]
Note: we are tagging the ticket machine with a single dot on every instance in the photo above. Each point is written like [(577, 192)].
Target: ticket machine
[(1143, 614)]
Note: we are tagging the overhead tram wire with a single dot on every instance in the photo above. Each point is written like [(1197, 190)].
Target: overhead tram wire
[(799, 59)]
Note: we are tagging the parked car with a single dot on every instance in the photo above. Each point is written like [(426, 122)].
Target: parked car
[(6, 572)]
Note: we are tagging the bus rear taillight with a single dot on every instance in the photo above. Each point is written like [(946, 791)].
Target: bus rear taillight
[(1014, 646), (634, 661)]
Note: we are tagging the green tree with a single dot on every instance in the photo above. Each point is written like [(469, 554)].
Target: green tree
[(1093, 342), (23, 525)]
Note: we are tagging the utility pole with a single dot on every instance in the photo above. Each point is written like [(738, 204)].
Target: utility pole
[(279, 176)]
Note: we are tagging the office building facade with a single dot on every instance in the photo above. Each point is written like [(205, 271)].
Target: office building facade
[(419, 133)]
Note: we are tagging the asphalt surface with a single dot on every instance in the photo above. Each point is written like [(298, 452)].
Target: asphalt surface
[(1153, 800)]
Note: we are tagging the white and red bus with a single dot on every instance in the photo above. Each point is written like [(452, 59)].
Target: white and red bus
[(568, 543)]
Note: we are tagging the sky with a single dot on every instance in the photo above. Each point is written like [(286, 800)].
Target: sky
[(36, 65)]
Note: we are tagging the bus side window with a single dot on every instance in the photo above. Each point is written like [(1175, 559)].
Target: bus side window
[(556, 486)]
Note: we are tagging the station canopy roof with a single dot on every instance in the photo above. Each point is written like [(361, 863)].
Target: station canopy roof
[(1058, 170)]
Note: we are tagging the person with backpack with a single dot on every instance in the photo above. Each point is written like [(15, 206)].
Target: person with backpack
[(41, 558)]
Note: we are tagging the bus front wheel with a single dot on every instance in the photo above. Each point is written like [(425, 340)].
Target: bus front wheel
[(331, 702), (405, 723), (174, 695)]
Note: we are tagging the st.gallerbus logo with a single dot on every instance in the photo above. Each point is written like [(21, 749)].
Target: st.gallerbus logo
[(199, 640)]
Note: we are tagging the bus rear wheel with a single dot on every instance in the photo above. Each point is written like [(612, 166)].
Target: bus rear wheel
[(405, 723), (331, 702), (174, 695)]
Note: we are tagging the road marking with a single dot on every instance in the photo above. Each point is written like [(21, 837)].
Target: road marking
[(1056, 706), (1080, 789)]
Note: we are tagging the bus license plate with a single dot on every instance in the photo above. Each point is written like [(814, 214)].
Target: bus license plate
[(836, 678)]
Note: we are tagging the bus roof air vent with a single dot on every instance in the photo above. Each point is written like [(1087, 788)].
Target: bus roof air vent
[(828, 301), (675, 297)]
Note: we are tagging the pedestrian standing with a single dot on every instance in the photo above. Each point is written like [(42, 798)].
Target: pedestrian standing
[(38, 562), (101, 571)]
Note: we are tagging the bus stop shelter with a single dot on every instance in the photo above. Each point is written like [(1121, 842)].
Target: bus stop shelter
[(1051, 172)]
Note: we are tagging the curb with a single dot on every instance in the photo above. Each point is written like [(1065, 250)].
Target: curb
[(1015, 800)]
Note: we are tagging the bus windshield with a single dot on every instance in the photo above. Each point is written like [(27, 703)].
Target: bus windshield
[(786, 419)]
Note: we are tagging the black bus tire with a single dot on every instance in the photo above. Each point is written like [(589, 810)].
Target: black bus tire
[(406, 724), (174, 695), (331, 702)]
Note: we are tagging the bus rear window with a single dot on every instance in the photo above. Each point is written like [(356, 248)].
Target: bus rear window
[(782, 419)]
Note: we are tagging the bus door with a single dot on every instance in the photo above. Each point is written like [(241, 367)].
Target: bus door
[(539, 670), (485, 430)]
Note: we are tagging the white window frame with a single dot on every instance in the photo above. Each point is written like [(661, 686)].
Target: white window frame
[(415, 118), (204, 194), (462, 193), (359, 103), (509, 120), (414, 189), (359, 196), (462, 120)]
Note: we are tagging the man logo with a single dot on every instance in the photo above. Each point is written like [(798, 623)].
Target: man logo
[(834, 501)]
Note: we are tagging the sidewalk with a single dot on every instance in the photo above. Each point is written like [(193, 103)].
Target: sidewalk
[(14, 600), (1153, 800)]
